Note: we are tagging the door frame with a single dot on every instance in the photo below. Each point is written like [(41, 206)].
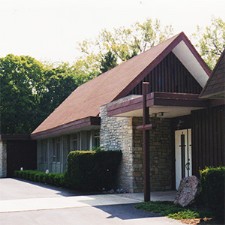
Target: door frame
[(187, 163)]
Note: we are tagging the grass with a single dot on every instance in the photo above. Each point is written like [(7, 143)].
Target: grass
[(173, 211)]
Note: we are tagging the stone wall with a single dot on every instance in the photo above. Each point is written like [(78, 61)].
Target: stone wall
[(116, 134), (3, 159), (120, 133), (138, 156), (161, 155)]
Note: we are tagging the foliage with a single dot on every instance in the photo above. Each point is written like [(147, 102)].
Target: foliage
[(108, 62), (59, 82), (86, 68), (41, 177), (186, 214), (92, 171), (213, 189), (30, 91), (173, 211), (211, 41), (123, 43), (21, 79)]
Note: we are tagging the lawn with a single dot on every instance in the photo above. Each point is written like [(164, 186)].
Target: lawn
[(190, 215)]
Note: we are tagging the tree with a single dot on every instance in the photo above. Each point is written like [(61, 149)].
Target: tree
[(123, 43), (30, 91), (59, 82), (211, 41), (21, 79), (86, 68), (108, 62)]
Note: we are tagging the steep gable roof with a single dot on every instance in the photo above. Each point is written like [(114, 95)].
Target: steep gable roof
[(86, 100), (215, 87)]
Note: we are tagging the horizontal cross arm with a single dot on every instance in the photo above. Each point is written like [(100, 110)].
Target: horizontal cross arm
[(145, 127)]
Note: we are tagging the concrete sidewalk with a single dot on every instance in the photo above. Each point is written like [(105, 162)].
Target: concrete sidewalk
[(71, 202), (29, 204), (16, 195)]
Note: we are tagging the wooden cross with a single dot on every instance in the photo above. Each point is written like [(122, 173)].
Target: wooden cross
[(145, 127)]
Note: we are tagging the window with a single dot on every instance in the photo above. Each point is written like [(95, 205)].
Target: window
[(85, 140), (56, 150), (44, 151), (75, 142), (96, 139), (66, 144)]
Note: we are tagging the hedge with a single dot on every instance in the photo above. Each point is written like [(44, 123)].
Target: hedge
[(41, 177), (92, 170), (213, 189)]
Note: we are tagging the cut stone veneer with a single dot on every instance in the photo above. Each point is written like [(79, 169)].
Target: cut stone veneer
[(120, 133), (161, 155), (116, 134), (3, 159)]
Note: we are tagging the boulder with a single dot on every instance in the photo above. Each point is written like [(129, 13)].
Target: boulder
[(187, 192)]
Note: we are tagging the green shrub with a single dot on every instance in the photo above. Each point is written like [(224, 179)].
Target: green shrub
[(173, 211), (41, 177), (92, 171), (213, 189)]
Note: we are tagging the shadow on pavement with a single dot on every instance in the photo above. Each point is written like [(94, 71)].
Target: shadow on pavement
[(125, 212), (59, 190)]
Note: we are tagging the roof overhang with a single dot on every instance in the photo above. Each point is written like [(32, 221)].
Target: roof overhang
[(166, 105), (193, 63), (13, 137), (87, 123), (215, 87), (188, 56), (215, 95)]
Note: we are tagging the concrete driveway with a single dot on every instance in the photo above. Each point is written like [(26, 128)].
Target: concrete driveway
[(29, 204)]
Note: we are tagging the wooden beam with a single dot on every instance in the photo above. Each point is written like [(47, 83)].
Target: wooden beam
[(145, 127), (146, 149)]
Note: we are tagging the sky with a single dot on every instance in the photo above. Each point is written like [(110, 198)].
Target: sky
[(50, 30)]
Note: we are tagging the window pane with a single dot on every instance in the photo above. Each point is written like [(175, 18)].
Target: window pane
[(44, 146), (96, 139), (75, 142), (56, 150)]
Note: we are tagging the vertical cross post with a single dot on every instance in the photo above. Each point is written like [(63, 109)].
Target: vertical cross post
[(183, 146), (146, 149)]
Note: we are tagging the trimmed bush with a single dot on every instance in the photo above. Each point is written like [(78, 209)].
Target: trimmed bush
[(213, 190), (92, 170), (41, 177)]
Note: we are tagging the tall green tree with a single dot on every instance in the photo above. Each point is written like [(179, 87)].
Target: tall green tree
[(122, 43), (21, 79), (108, 62), (210, 41), (30, 91), (59, 82)]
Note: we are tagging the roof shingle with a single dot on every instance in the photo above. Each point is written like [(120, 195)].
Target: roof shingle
[(86, 100), (215, 87)]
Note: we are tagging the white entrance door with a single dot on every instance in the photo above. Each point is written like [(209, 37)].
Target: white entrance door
[(183, 160)]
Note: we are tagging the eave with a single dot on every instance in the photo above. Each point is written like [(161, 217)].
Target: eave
[(215, 89), (191, 60), (13, 137), (81, 124), (169, 103)]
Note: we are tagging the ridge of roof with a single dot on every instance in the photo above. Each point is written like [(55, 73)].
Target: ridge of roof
[(85, 101)]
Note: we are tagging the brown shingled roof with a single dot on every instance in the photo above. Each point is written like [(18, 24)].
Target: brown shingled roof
[(215, 87), (86, 100)]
